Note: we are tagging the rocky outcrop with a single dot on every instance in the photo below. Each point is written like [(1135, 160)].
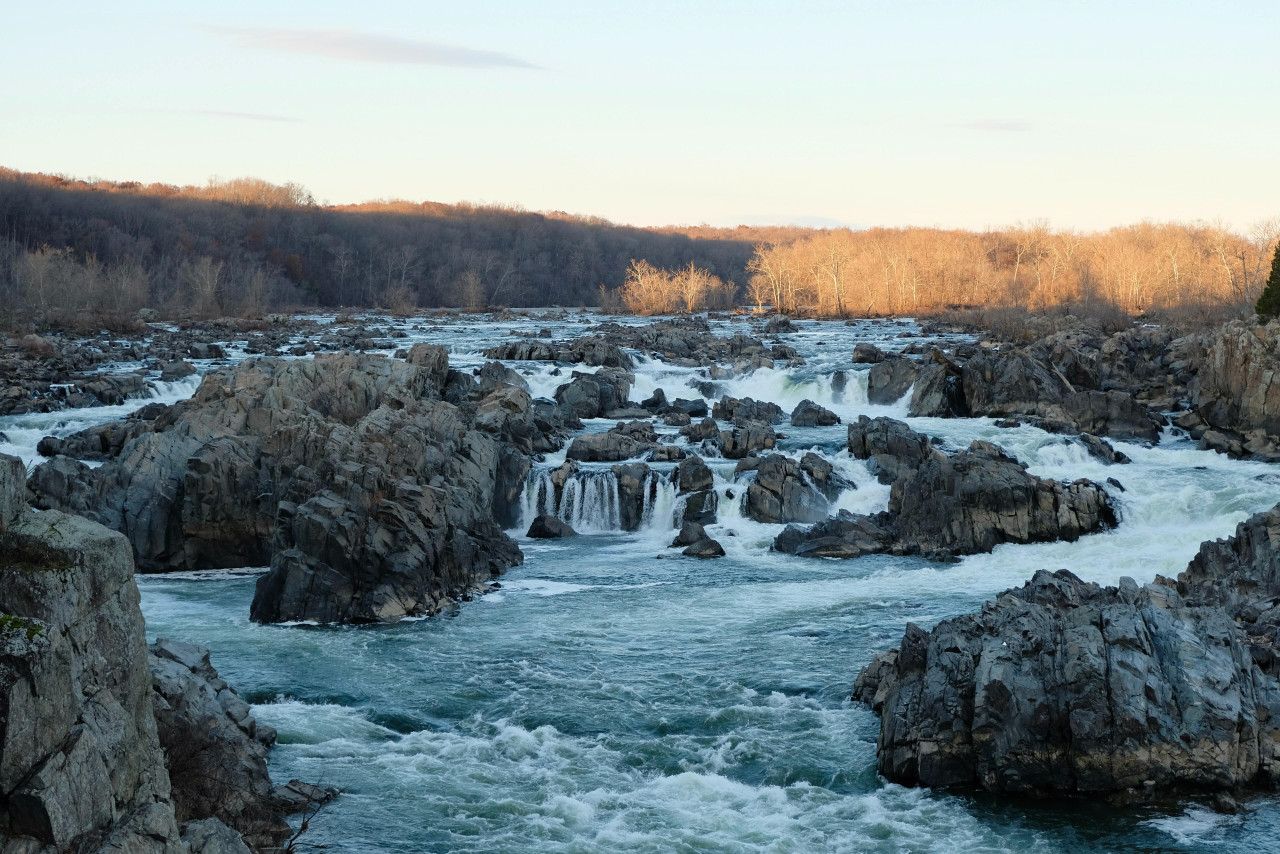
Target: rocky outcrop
[(371, 497), (1237, 391), (1062, 686), (594, 395), (742, 442), (867, 354), (84, 764), (809, 414), (941, 506), (592, 350), (889, 380), (748, 412), (781, 492)]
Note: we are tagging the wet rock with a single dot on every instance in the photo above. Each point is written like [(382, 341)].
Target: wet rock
[(748, 412), (704, 549), (809, 414), (890, 446), (548, 527), (779, 323), (890, 380), (1111, 413), (782, 494), (823, 476), (689, 534), (701, 507), (867, 354), (843, 536), (592, 395), (704, 429), (1102, 451), (608, 447), (744, 441)]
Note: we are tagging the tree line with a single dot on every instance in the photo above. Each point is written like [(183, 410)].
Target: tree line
[(70, 248), (1136, 269)]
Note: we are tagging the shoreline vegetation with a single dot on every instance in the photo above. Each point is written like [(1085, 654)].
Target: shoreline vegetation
[(90, 255)]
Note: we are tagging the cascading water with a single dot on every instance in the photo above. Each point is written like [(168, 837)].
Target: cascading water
[(604, 700)]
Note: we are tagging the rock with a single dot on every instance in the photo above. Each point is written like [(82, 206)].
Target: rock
[(809, 414), (608, 447), (867, 354), (1111, 413), (839, 381), (676, 419), (202, 350), (823, 476), (655, 402), (889, 380), (701, 507), (175, 370), (744, 441), (1234, 390), (637, 486), (689, 534), (548, 527), (748, 412), (779, 323), (1102, 451), (891, 447), (1064, 687), (81, 764), (942, 506), (705, 548), (210, 836), (781, 494), (592, 395), (1004, 384), (495, 375), (217, 756), (704, 429)]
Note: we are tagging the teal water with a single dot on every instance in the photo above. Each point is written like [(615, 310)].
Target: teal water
[(613, 696)]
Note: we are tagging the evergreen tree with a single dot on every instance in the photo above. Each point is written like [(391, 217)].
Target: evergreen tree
[(1269, 302)]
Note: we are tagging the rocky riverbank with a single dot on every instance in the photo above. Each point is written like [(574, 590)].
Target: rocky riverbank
[(106, 745), (1062, 686)]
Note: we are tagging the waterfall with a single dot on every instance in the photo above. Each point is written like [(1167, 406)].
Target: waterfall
[(589, 501), (658, 509)]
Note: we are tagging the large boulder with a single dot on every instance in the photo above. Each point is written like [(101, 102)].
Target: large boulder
[(809, 414), (1065, 687), (748, 412), (1235, 390), (742, 442), (781, 493), (890, 447), (610, 447), (1003, 384), (890, 380), (593, 395)]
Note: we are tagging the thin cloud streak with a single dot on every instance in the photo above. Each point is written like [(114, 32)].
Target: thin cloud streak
[(257, 117), (998, 125), (367, 47)]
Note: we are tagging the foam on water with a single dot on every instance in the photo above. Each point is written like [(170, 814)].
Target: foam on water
[(607, 701)]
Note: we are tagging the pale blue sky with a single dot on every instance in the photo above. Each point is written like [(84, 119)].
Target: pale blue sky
[(866, 112)]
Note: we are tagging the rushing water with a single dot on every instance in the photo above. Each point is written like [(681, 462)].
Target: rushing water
[(615, 696)]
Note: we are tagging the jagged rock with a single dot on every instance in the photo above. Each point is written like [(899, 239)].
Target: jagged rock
[(1101, 450), (637, 484), (809, 414), (210, 836), (175, 370), (942, 506), (1111, 413), (701, 507), (610, 447), (690, 533), (217, 754), (592, 395), (1004, 384), (844, 536), (779, 323), (1235, 391), (705, 548), (495, 375), (1062, 686), (744, 441), (676, 419), (823, 476), (748, 412), (867, 354), (889, 380), (81, 765), (548, 527), (781, 493), (656, 402), (890, 446), (704, 429)]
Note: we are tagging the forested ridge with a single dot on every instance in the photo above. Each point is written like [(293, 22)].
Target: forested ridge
[(246, 245), (85, 252)]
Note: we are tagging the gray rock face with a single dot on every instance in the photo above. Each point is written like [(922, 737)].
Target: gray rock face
[(742, 442), (809, 414), (782, 493), (593, 395), (216, 752), (690, 533), (748, 412), (941, 506), (1065, 687), (294, 463), (889, 380), (867, 354), (1111, 413), (81, 763), (1003, 384), (693, 475), (1236, 390), (704, 549), (590, 350), (610, 447)]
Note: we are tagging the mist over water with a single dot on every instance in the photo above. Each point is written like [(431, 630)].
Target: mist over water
[(606, 700)]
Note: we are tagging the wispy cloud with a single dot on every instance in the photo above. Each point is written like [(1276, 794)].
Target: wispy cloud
[(999, 125), (256, 117), (366, 47)]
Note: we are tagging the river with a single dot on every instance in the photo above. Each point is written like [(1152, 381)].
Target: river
[(614, 696)]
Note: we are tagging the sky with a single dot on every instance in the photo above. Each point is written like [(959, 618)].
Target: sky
[(862, 113)]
